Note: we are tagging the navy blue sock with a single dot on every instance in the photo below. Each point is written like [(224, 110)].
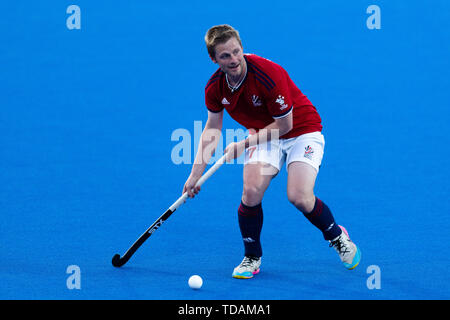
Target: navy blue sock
[(322, 218), (250, 223)]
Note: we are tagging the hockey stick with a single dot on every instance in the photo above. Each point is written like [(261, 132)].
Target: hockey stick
[(118, 261)]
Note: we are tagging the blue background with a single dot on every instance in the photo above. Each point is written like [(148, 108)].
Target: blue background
[(86, 118)]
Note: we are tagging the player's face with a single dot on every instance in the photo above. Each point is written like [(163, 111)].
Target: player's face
[(230, 57)]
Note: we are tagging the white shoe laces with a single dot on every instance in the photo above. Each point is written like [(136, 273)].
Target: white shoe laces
[(248, 261), (341, 245)]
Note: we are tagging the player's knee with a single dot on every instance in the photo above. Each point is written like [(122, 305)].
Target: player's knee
[(252, 195), (302, 201)]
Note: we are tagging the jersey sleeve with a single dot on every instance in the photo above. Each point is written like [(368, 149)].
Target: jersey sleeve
[(279, 100), (273, 80), (212, 102)]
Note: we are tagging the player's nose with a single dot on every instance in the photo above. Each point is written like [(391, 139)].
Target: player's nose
[(235, 60)]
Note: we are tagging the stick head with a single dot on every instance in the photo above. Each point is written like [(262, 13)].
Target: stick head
[(117, 261)]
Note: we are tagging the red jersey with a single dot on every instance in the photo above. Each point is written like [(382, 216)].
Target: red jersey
[(266, 93)]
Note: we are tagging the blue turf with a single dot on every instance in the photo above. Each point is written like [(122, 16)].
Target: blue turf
[(86, 118)]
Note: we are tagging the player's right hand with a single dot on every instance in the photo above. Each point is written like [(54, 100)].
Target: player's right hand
[(190, 187)]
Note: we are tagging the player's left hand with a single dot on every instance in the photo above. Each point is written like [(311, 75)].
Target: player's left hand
[(234, 150)]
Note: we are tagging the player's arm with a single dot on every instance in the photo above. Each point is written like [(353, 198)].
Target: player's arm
[(207, 145), (276, 129)]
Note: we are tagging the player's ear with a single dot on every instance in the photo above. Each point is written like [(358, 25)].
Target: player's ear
[(213, 55)]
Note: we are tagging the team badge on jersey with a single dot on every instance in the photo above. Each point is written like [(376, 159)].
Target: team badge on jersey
[(257, 102), (280, 100)]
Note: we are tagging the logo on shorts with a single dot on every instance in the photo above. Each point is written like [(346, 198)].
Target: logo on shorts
[(308, 152)]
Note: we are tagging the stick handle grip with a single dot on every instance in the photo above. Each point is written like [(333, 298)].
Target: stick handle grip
[(200, 181), (211, 171)]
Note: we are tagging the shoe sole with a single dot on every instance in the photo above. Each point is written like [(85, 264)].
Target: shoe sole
[(247, 275)]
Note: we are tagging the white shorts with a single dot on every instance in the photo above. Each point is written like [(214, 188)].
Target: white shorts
[(306, 148)]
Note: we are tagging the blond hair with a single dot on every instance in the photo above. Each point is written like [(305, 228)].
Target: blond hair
[(220, 34)]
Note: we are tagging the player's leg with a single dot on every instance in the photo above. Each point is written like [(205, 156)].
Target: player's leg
[(261, 165), (250, 216), (300, 190), (256, 177), (304, 158)]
